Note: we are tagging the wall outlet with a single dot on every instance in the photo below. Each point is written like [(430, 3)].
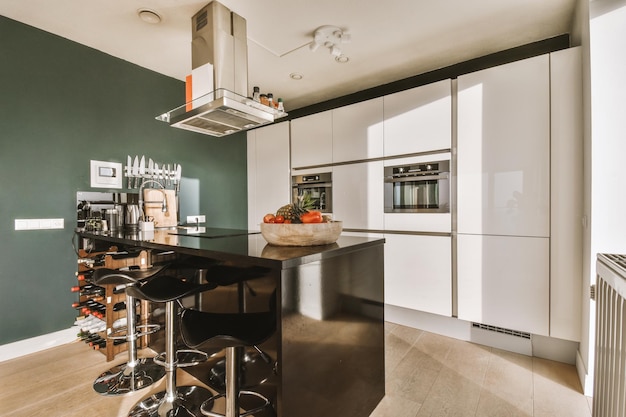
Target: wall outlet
[(201, 218), (39, 224)]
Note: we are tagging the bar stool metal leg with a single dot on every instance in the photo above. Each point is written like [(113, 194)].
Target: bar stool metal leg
[(135, 374), (174, 401)]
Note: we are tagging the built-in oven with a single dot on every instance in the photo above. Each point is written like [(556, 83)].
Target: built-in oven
[(418, 188), (317, 186)]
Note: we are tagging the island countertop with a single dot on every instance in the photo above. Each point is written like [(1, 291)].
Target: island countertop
[(234, 244)]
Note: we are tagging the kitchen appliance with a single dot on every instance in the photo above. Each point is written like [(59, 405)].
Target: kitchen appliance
[(418, 188), (317, 186), (131, 217), (219, 52)]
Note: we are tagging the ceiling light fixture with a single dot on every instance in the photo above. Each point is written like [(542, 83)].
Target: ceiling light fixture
[(149, 16), (295, 76), (330, 37)]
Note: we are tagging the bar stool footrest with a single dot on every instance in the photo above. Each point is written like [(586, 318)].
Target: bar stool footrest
[(142, 330), (207, 406), (184, 358)]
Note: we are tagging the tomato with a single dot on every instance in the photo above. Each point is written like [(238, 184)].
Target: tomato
[(279, 219), (312, 217), (269, 218), (287, 221)]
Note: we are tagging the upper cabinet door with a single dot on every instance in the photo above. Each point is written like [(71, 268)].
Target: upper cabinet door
[(503, 150), (269, 180), (419, 119), (358, 131), (312, 140)]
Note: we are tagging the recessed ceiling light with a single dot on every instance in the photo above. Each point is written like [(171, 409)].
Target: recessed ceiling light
[(149, 16), (295, 76), (342, 59)]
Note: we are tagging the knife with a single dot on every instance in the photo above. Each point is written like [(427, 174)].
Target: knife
[(135, 171), (129, 163), (156, 173), (142, 169), (167, 175), (150, 168), (178, 177)]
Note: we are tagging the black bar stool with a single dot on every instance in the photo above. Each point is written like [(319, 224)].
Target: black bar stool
[(174, 401), (136, 373), (233, 332)]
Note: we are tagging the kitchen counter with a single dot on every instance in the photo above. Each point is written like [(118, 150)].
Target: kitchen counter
[(328, 351), (234, 244)]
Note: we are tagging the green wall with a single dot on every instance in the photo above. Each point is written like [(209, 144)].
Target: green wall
[(61, 105)]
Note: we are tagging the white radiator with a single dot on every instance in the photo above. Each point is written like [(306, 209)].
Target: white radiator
[(609, 391)]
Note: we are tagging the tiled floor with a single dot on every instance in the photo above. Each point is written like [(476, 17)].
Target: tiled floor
[(432, 375), (426, 375)]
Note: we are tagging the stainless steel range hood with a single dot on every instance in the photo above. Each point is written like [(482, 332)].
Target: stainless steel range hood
[(220, 39)]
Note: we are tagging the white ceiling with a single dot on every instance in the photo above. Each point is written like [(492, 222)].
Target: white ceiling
[(391, 39)]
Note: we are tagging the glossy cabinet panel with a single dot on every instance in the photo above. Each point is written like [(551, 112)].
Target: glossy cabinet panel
[(358, 131), (358, 195), (269, 180), (566, 203), (312, 140), (504, 281), (504, 150), (418, 273), (419, 119)]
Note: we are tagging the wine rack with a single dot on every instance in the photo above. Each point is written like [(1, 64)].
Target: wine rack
[(113, 295)]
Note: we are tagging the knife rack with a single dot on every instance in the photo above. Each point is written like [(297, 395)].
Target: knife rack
[(138, 170)]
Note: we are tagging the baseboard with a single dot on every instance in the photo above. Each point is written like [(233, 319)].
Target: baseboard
[(586, 379), (540, 346), (37, 344)]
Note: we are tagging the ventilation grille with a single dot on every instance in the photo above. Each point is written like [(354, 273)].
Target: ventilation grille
[(502, 330)]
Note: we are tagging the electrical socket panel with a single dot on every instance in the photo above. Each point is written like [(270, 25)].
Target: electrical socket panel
[(201, 218), (39, 224)]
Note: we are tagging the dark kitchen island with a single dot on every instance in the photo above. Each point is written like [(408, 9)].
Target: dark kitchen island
[(327, 355)]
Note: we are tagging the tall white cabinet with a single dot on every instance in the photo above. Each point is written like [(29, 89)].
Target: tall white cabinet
[(269, 175), (503, 189)]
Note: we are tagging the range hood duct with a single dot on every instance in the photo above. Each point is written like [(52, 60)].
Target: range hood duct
[(219, 38)]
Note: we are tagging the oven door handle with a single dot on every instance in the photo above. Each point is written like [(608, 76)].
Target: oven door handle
[(312, 185), (416, 178)]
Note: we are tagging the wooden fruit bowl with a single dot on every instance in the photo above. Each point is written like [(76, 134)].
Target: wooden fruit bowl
[(301, 234)]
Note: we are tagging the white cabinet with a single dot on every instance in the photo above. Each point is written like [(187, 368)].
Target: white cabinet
[(566, 202), (503, 196), (504, 150), (269, 179), (358, 131), (419, 119), (504, 281), (358, 195), (418, 273), (312, 140)]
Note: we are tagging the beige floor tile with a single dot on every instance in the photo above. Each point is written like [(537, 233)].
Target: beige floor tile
[(557, 390), (435, 349), (508, 386), (398, 341), (451, 395), (469, 360), (391, 406)]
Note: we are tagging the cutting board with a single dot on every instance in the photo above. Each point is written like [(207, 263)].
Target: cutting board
[(153, 202)]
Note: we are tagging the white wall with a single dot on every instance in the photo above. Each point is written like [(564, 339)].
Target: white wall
[(605, 148)]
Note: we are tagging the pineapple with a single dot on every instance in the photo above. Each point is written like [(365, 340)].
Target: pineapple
[(293, 211)]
